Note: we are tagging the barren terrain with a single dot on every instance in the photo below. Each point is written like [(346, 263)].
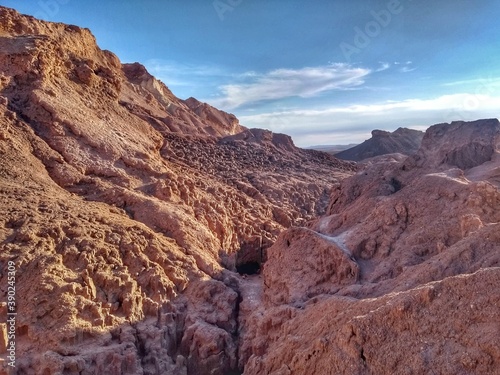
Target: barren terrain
[(128, 212)]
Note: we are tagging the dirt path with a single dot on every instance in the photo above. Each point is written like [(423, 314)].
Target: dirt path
[(251, 288)]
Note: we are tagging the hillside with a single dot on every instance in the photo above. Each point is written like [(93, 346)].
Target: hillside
[(127, 211), (388, 281), (404, 141)]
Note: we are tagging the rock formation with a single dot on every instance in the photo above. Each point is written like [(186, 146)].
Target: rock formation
[(127, 210), (399, 276), (404, 141)]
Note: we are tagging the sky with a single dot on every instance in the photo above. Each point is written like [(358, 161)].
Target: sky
[(322, 71)]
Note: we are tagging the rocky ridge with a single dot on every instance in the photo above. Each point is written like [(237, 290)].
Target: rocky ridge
[(402, 140), (127, 210)]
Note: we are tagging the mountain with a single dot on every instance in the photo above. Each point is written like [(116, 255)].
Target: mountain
[(404, 141), (150, 97), (127, 211)]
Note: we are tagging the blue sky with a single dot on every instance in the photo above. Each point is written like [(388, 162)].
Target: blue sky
[(322, 71)]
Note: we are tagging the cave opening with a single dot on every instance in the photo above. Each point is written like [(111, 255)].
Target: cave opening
[(248, 268), (251, 256)]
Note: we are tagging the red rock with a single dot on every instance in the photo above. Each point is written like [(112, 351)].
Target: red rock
[(424, 238), (121, 207)]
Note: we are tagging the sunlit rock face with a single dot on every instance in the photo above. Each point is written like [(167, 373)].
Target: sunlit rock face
[(127, 210)]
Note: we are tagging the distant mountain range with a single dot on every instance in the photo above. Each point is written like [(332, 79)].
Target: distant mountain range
[(332, 149)]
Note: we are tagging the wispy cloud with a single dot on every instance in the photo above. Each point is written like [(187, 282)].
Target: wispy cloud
[(173, 73), (482, 82), (285, 83), (383, 66), (353, 123), (406, 67)]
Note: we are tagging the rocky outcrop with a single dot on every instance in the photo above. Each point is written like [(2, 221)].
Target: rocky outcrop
[(444, 326), (215, 122), (404, 141), (460, 144), (332, 267), (263, 137), (149, 99), (387, 281), (126, 212)]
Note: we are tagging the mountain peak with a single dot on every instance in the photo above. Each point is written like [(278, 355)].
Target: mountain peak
[(403, 140)]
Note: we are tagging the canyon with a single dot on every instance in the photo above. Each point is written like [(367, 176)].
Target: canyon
[(154, 235)]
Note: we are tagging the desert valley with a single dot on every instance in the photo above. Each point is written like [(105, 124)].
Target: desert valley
[(152, 235)]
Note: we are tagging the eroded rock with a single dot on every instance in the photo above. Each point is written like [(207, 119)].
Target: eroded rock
[(422, 239)]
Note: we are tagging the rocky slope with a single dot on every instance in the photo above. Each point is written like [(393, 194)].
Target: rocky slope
[(127, 210), (400, 276), (404, 141)]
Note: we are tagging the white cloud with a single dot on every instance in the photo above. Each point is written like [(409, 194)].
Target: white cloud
[(383, 66), (352, 124), (187, 79), (407, 69), (484, 84), (285, 83)]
